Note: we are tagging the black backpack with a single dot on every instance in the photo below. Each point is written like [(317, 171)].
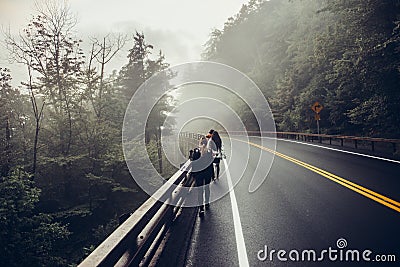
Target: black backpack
[(196, 154)]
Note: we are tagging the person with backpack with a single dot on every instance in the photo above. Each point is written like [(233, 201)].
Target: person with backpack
[(216, 146), (202, 171)]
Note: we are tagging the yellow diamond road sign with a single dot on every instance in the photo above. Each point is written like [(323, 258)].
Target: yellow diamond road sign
[(317, 107)]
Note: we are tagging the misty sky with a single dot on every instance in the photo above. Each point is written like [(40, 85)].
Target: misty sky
[(178, 27)]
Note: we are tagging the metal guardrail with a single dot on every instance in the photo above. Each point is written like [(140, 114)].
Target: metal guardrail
[(136, 240), (324, 137), (309, 137), (189, 140), (188, 135)]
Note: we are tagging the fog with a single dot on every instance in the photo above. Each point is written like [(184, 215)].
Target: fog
[(178, 28)]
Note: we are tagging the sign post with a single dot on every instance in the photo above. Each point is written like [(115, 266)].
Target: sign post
[(317, 107)]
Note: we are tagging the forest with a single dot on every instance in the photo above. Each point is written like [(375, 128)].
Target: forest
[(63, 177), (342, 53), (64, 181)]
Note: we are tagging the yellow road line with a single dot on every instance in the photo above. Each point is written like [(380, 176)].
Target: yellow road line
[(390, 203)]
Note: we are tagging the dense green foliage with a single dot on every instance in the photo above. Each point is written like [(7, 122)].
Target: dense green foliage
[(344, 54), (27, 238), (63, 131)]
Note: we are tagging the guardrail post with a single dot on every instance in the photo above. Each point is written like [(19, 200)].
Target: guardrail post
[(355, 143), (394, 148), (341, 141), (373, 146), (330, 140)]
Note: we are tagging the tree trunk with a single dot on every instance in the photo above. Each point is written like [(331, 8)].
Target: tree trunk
[(159, 152), (6, 166), (35, 144)]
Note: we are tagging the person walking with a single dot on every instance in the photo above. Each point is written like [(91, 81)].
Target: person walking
[(202, 171), (216, 146)]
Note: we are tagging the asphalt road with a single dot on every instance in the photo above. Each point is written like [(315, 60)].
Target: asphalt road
[(311, 199)]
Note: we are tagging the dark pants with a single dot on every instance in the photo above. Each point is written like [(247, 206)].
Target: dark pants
[(216, 162), (203, 178)]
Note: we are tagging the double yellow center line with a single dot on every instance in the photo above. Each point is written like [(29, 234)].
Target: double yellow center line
[(390, 203)]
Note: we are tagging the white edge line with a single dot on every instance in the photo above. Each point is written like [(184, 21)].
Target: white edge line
[(241, 246), (335, 149)]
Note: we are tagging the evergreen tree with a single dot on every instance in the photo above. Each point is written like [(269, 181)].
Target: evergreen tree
[(343, 54)]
